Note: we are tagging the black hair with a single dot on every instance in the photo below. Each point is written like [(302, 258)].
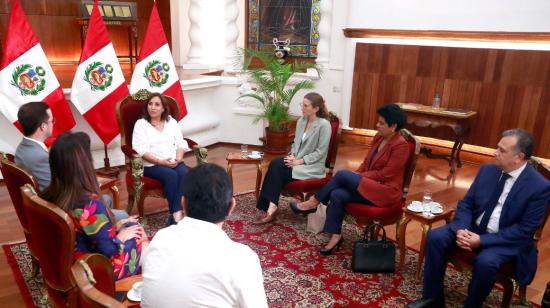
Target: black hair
[(31, 116), (208, 192), (525, 142), (164, 115), (393, 114)]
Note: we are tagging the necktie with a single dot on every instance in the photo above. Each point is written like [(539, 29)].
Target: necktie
[(493, 202)]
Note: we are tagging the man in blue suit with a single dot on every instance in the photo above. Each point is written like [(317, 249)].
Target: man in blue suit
[(497, 218)]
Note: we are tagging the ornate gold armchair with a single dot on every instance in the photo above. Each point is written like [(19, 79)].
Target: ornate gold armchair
[(128, 111)]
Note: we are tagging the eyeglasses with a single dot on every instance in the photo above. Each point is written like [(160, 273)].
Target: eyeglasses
[(304, 105)]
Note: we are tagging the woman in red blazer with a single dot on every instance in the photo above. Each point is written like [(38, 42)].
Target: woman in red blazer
[(377, 181)]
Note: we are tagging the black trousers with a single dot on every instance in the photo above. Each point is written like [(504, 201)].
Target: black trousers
[(276, 178)]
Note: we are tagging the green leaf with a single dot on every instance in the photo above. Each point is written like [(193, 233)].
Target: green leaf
[(272, 89)]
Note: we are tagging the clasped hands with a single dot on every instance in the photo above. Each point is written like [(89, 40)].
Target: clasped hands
[(467, 239), (129, 228), (168, 162), (291, 161)]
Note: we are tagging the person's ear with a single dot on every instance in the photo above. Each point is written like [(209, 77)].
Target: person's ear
[(521, 156), (232, 206), (394, 127)]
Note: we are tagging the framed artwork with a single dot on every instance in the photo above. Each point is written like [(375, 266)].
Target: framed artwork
[(110, 10), (295, 20)]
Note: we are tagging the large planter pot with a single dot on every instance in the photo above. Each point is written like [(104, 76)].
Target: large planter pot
[(277, 142)]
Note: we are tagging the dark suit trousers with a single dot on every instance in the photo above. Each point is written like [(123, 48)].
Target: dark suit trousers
[(341, 189), (485, 268), (276, 178), (172, 183)]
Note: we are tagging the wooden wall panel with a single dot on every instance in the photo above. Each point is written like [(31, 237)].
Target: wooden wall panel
[(55, 25), (507, 88)]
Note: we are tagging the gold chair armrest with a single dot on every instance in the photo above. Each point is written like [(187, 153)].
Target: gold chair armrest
[(200, 154), (136, 166)]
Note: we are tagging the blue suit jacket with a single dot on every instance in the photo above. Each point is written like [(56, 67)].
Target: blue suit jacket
[(522, 213)]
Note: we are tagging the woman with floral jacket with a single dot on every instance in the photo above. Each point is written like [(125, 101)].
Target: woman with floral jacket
[(74, 188)]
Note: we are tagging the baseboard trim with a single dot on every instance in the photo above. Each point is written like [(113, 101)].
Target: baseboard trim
[(474, 153)]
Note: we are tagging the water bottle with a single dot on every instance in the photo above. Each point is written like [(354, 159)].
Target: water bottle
[(437, 101)]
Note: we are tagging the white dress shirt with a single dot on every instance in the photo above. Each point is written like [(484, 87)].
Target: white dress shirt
[(195, 264), (492, 225), (163, 145)]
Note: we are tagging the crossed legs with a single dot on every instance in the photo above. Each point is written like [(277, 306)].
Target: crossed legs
[(341, 189)]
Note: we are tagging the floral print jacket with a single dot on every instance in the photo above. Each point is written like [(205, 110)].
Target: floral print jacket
[(95, 233)]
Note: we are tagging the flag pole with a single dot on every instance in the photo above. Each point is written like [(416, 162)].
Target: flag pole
[(107, 170)]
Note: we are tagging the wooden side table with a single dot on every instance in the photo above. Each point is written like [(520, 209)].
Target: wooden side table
[(426, 223), (125, 285), (239, 158), (459, 121), (110, 184)]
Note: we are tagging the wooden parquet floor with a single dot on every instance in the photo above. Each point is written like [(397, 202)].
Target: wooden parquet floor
[(432, 175)]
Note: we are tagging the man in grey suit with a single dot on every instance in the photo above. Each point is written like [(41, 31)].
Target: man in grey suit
[(36, 120)]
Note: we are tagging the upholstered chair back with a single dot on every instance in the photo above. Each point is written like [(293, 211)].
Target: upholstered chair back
[(54, 241)]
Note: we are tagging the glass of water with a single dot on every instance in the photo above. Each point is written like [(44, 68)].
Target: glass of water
[(426, 200), (244, 150)]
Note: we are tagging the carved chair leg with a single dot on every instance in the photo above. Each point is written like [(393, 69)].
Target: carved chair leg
[(140, 202), (35, 267), (397, 230), (523, 296), (130, 206), (507, 293)]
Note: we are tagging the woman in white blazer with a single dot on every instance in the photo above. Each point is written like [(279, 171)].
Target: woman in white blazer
[(307, 157)]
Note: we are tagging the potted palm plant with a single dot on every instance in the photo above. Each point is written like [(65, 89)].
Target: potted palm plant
[(275, 92)]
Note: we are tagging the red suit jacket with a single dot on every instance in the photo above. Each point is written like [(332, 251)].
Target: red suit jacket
[(382, 180)]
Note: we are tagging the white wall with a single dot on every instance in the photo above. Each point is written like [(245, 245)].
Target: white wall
[(467, 15), (215, 114)]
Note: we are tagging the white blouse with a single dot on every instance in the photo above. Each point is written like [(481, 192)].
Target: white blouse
[(163, 145)]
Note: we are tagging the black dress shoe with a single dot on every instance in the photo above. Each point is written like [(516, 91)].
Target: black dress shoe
[(294, 207), (427, 303), (328, 251)]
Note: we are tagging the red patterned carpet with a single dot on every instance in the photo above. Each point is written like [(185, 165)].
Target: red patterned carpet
[(295, 274)]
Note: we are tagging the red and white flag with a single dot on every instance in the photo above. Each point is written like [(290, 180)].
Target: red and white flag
[(99, 83), (155, 70), (26, 75)]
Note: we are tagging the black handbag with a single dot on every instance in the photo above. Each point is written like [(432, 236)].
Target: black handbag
[(371, 255)]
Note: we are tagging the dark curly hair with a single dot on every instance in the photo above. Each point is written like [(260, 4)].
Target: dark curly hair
[(393, 114)]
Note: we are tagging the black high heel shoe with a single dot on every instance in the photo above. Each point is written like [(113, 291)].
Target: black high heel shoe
[(294, 207), (328, 251)]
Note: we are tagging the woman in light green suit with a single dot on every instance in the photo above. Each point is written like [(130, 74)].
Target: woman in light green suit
[(306, 160)]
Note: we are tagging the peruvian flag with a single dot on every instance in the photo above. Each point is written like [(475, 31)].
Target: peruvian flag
[(155, 70), (99, 83), (26, 75)]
